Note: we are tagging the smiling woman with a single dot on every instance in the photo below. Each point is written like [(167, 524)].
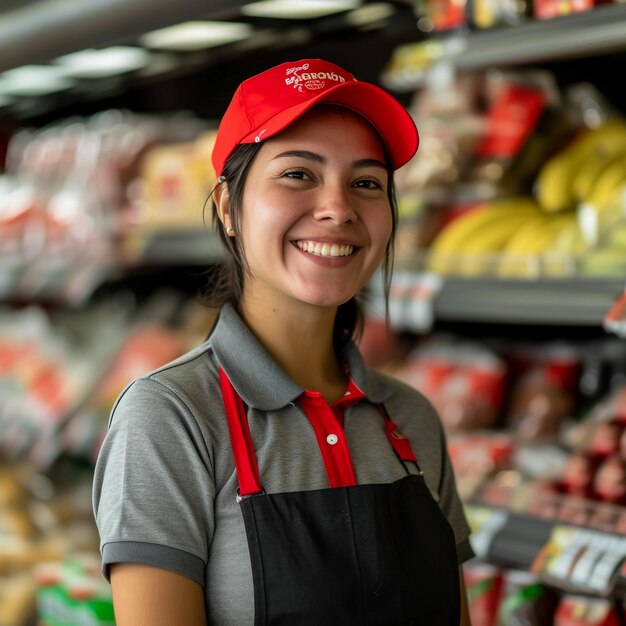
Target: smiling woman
[(317, 186), (267, 476)]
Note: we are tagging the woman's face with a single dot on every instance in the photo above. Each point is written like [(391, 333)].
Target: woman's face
[(316, 216)]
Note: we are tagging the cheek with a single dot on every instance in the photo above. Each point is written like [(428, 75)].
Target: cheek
[(381, 227)]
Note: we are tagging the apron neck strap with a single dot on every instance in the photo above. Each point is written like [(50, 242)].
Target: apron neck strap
[(240, 439), (400, 444), (243, 448)]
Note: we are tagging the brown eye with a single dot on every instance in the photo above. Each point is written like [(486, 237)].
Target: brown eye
[(297, 175), (368, 183)]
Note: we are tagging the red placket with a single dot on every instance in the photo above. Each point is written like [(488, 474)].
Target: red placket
[(327, 423)]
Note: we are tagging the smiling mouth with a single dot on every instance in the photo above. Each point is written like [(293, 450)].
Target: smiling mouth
[(325, 249)]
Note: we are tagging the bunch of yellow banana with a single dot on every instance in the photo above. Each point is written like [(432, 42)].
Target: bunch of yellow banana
[(470, 244), (545, 244), (589, 169)]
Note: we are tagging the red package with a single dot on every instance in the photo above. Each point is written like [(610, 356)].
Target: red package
[(609, 483), (484, 585), (548, 9), (584, 611)]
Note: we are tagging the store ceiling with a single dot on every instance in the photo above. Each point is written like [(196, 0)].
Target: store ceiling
[(360, 37)]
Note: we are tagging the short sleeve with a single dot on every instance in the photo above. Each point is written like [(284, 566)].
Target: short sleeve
[(153, 490), (451, 505)]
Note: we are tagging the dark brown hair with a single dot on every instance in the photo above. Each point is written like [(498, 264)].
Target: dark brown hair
[(227, 284)]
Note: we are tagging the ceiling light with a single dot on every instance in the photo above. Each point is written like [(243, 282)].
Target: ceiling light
[(370, 13), (34, 80), (105, 62), (196, 35), (301, 10)]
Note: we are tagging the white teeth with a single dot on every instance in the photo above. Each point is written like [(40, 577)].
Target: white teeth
[(325, 249)]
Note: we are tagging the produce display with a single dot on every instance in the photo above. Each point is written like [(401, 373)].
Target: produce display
[(526, 202)]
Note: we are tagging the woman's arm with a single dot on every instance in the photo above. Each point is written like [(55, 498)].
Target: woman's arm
[(149, 596), (465, 616)]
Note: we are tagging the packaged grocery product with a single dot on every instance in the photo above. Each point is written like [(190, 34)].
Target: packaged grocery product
[(464, 381), (177, 181), (609, 484), (575, 610), (548, 9), (484, 584), (17, 595), (604, 440), (544, 394), (490, 13), (578, 474), (72, 592), (445, 15), (526, 601), (476, 456)]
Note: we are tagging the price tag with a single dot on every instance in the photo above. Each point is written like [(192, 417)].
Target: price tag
[(607, 566), (582, 558), (485, 523), (593, 553), (411, 300)]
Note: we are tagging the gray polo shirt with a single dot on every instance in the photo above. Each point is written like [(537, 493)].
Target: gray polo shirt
[(165, 483)]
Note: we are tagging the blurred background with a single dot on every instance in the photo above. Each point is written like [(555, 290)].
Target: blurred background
[(507, 308)]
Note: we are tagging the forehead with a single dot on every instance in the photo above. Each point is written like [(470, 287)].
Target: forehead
[(332, 126)]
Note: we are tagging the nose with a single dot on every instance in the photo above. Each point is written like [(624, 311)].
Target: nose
[(335, 204)]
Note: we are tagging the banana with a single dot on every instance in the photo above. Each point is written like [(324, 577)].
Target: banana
[(523, 255), (594, 168), (611, 179), (570, 241), (597, 220), (554, 185), (470, 230)]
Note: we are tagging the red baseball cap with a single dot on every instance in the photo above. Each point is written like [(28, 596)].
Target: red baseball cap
[(269, 102)]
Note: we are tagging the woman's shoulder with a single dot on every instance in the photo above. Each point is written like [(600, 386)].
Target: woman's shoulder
[(407, 406), (394, 389), (185, 383)]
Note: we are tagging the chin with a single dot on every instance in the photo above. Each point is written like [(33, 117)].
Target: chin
[(326, 300)]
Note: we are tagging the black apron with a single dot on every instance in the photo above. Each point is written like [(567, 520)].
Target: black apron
[(365, 554)]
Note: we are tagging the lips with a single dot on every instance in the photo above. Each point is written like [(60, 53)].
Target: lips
[(324, 249)]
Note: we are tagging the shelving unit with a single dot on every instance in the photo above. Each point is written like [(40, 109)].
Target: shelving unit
[(573, 302), (598, 32), (552, 549)]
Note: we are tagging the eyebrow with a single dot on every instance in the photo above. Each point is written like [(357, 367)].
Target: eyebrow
[(318, 158)]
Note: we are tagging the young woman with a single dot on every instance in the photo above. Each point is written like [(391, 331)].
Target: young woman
[(268, 477)]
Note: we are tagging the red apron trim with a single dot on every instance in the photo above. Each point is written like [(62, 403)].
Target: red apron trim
[(240, 439)]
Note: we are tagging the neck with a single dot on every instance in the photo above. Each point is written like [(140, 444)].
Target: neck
[(299, 337)]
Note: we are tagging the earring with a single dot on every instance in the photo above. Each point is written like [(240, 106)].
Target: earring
[(221, 179), (230, 231)]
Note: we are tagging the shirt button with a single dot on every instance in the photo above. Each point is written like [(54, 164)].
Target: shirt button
[(332, 439)]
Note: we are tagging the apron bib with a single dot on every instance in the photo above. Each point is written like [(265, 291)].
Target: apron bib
[(376, 554)]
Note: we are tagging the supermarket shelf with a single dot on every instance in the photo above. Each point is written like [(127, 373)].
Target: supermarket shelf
[(196, 247), (572, 301), (550, 548), (600, 31)]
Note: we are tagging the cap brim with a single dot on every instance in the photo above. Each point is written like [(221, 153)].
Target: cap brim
[(392, 121)]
